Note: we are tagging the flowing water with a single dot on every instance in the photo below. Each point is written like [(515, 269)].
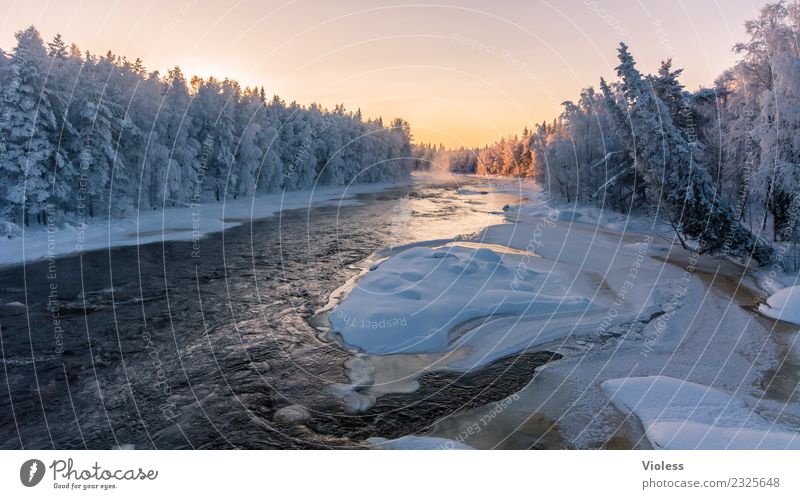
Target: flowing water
[(154, 347)]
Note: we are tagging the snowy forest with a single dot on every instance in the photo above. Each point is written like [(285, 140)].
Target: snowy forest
[(102, 135), (719, 164)]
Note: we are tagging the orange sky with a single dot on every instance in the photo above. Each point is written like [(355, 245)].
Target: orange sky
[(461, 72)]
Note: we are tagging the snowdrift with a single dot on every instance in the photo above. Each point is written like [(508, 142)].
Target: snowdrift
[(679, 414), (783, 305), (410, 303)]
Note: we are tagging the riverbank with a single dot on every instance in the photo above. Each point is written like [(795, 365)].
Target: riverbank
[(173, 223)]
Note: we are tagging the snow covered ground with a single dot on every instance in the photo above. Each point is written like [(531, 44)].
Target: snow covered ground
[(410, 303), (170, 224), (636, 306), (682, 415), (666, 320), (413, 442), (783, 305)]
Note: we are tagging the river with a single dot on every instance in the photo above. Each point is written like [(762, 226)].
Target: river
[(153, 346)]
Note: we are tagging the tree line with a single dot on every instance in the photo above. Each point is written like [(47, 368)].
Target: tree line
[(102, 131)]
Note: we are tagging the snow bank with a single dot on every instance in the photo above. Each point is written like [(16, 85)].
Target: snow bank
[(413, 442), (170, 224), (603, 217), (783, 305), (410, 302), (293, 414), (679, 414)]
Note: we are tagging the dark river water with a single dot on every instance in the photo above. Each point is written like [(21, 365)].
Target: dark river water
[(149, 347)]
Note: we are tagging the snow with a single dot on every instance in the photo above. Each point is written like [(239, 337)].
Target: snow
[(413, 442), (292, 414), (784, 305), (469, 192), (678, 414), (410, 302), (644, 317), (183, 223), (603, 217)]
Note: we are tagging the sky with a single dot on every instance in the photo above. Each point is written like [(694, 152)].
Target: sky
[(463, 73)]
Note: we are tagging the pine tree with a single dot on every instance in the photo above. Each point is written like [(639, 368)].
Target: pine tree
[(57, 49)]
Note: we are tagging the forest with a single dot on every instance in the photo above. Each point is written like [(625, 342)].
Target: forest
[(85, 136), (720, 165)]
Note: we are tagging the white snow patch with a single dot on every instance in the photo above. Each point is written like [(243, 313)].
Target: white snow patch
[(124, 447), (413, 442), (410, 302), (784, 305), (13, 304), (679, 414), (293, 414)]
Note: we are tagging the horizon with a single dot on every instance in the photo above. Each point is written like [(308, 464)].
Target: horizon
[(459, 74)]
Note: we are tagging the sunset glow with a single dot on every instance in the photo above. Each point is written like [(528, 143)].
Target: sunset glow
[(462, 73)]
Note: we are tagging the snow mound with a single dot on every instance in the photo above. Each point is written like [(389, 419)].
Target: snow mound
[(410, 302), (783, 305), (13, 308), (679, 414), (413, 442), (293, 414)]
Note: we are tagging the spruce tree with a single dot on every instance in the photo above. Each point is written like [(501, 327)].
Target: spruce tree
[(677, 175)]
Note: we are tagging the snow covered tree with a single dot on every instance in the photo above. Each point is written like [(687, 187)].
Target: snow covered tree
[(172, 149), (677, 175), (101, 132), (779, 141), (28, 132), (721, 164)]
